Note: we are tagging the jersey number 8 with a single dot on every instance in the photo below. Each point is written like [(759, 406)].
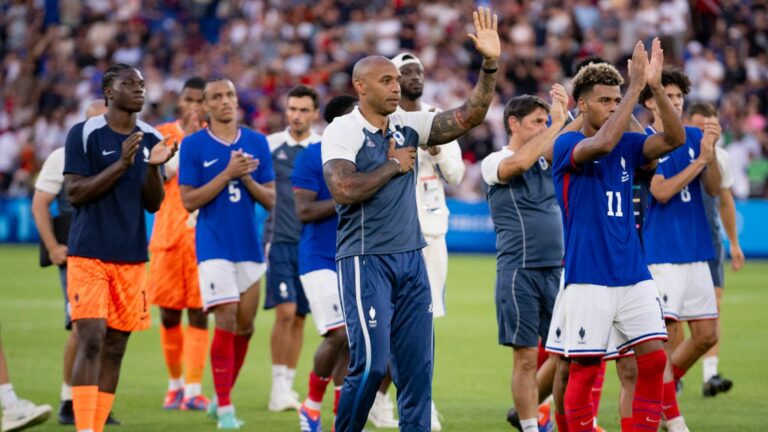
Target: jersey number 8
[(685, 194)]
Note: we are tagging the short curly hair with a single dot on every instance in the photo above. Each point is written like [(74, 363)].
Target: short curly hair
[(595, 74), (669, 76)]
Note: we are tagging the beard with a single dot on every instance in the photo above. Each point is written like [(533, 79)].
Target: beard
[(410, 95)]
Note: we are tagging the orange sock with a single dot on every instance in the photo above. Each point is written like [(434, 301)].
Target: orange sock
[(195, 353), (103, 407), (172, 340), (84, 400)]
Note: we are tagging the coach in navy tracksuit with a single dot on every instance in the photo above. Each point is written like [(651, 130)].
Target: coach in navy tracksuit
[(368, 158)]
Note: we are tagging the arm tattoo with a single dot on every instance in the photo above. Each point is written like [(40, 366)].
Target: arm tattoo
[(451, 124), (347, 186)]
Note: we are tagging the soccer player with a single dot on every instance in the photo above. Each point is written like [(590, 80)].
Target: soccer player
[(436, 165), (368, 156), (529, 238), (224, 170), (317, 270), (173, 281), (607, 286), (723, 204), (112, 171), (18, 413), (49, 188), (284, 291), (677, 240)]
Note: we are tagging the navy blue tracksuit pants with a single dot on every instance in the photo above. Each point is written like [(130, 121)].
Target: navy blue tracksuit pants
[(388, 310)]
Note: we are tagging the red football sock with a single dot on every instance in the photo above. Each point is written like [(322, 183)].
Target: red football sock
[(562, 423), (541, 357), (336, 397), (579, 410), (646, 405), (597, 388), (670, 408), (628, 424), (223, 364), (317, 386), (241, 349), (678, 372)]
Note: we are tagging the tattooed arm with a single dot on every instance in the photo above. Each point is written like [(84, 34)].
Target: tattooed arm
[(451, 124), (348, 186)]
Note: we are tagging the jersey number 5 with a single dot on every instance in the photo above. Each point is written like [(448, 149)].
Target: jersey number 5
[(610, 195), (234, 191)]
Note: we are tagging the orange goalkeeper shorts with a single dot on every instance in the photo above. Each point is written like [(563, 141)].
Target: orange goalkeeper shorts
[(112, 291), (173, 281)]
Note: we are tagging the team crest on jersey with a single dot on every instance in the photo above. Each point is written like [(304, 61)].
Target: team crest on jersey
[(582, 335), (558, 333), (691, 153), (372, 315), (624, 173), (369, 142), (146, 154), (283, 290), (399, 138), (543, 163), (281, 155)]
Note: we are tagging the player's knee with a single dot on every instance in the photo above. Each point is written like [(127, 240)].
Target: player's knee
[(197, 318), (170, 318), (707, 338), (90, 345), (337, 338), (627, 371), (525, 360)]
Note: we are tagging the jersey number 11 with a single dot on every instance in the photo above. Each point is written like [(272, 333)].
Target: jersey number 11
[(610, 195)]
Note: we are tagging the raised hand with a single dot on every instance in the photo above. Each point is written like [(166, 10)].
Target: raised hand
[(559, 108), (405, 156), (655, 66), (712, 130), (129, 148), (638, 66), (486, 37), (161, 152)]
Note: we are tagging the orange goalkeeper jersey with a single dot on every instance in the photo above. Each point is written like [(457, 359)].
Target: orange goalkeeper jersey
[(170, 228)]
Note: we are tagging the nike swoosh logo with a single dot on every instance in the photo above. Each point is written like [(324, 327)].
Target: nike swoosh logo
[(206, 164), (664, 159), (650, 420), (107, 153), (588, 422)]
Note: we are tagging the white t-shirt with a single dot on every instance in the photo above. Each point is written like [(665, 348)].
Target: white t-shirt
[(51, 177)]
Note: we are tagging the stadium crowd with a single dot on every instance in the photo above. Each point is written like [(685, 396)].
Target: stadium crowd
[(54, 53)]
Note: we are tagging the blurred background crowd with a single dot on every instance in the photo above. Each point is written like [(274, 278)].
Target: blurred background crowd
[(53, 54)]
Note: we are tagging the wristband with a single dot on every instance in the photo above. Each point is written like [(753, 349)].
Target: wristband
[(490, 70), (399, 166)]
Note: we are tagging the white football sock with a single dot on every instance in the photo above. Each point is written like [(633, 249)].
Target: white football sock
[(709, 367)]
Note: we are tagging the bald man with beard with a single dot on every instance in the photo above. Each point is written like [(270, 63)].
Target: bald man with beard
[(368, 160)]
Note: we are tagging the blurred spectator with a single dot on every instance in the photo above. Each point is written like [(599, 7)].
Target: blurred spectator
[(54, 53)]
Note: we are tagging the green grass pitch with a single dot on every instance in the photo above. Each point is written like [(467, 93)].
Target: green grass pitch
[(472, 372)]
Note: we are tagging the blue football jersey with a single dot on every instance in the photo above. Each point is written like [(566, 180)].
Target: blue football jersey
[(317, 246), (678, 232), (110, 227), (226, 226), (601, 242)]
